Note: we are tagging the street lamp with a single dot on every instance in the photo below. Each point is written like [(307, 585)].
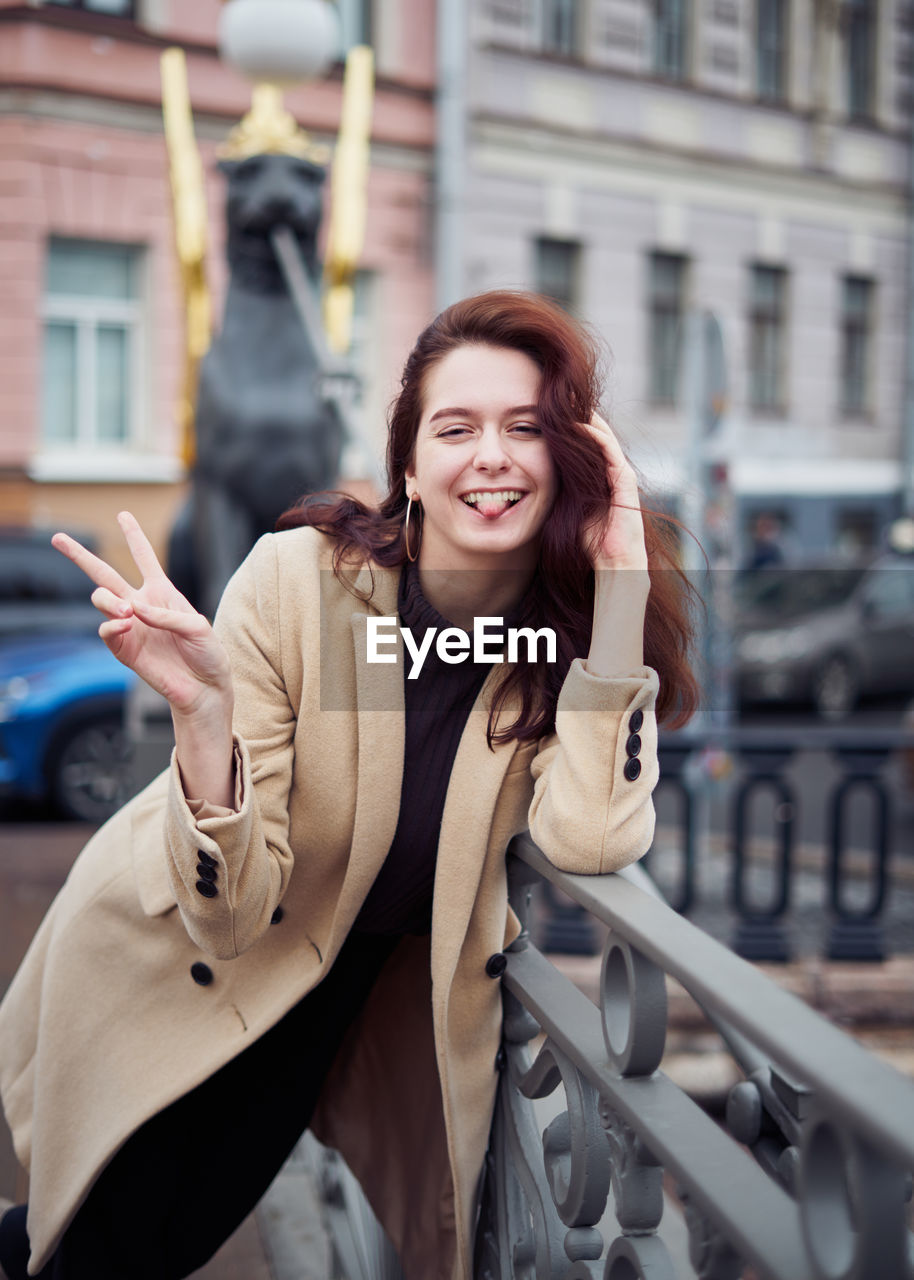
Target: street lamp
[(276, 43)]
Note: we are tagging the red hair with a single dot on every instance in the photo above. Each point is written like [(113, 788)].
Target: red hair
[(562, 592)]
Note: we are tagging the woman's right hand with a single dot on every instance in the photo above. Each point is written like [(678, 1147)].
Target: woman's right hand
[(154, 630)]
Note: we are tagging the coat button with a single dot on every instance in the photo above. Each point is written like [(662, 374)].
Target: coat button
[(206, 888), (496, 965), (632, 769), (633, 746), (636, 721), (277, 916), (205, 872), (206, 858), (202, 974), (501, 1059)]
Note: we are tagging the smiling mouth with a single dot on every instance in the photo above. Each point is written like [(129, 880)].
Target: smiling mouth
[(493, 504)]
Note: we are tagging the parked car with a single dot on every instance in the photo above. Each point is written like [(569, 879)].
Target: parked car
[(62, 734), (40, 589), (826, 634)]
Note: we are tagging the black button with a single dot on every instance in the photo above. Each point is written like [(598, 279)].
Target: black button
[(202, 974), (496, 965), (206, 873), (633, 746), (277, 916), (501, 1059), (207, 859), (636, 721), (206, 888), (632, 769)]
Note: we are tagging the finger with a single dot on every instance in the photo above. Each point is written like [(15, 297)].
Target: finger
[(112, 630), (140, 547), (620, 472), (192, 626), (603, 433), (98, 570), (108, 602)]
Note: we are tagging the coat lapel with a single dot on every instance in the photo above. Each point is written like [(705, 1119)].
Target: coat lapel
[(476, 779), (381, 737)]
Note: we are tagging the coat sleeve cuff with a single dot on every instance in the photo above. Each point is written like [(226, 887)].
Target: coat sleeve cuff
[(199, 824)]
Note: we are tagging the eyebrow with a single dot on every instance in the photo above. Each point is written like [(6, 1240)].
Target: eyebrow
[(471, 413)]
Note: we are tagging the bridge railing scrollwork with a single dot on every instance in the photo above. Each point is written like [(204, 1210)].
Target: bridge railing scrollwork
[(810, 1180)]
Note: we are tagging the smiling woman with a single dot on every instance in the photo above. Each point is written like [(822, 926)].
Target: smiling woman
[(312, 899)]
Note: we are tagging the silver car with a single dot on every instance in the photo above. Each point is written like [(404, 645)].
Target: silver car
[(828, 634)]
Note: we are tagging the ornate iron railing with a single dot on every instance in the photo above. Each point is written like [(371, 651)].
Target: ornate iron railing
[(764, 764), (810, 1180)]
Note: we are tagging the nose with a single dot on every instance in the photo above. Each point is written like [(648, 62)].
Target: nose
[(491, 454)]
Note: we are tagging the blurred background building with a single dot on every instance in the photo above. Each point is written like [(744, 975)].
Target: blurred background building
[(91, 313), (635, 158), (632, 158)]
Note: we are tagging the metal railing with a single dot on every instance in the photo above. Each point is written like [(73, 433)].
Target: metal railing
[(766, 791), (810, 1180)]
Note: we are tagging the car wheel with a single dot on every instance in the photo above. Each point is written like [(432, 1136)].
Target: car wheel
[(836, 689), (90, 769)]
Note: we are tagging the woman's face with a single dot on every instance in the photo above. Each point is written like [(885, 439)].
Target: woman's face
[(480, 466)]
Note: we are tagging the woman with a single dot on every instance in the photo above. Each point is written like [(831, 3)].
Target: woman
[(301, 922)]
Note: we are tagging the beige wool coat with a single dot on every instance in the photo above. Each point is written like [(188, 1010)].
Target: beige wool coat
[(103, 1025)]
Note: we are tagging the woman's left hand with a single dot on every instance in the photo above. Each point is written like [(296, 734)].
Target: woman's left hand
[(616, 540)]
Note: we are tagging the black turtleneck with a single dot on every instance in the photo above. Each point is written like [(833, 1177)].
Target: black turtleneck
[(437, 703)]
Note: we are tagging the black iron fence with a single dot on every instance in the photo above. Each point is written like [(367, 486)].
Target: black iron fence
[(810, 1180), (857, 867)]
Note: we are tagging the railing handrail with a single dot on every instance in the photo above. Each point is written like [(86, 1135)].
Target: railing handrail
[(874, 1098)]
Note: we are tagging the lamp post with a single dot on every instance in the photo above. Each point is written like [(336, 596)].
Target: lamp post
[(276, 43)]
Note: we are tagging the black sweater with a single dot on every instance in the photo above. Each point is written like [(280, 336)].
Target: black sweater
[(438, 703)]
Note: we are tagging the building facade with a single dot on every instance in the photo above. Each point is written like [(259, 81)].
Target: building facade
[(91, 311), (640, 158)]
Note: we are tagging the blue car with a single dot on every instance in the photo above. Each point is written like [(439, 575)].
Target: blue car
[(62, 735)]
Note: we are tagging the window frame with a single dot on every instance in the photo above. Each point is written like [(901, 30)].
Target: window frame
[(572, 302), (88, 315), (680, 70), (549, 10), (861, 407), (776, 317), (663, 385), (777, 54), (857, 15)]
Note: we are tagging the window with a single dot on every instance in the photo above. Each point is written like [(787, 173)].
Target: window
[(670, 29), (560, 27), (857, 310), (114, 8), (860, 56), (92, 328), (556, 270), (667, 304), (771, 42), (356, 22), (766, 344)]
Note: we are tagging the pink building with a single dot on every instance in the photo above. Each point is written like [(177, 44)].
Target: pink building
[(91, 321)]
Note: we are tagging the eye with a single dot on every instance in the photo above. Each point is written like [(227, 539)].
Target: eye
[(529, 428), (451, 431)]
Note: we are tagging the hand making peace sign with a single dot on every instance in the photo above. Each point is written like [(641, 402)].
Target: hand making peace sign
[(153, 629)]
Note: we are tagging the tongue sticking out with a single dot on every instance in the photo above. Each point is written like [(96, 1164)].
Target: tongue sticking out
[(492, 507)]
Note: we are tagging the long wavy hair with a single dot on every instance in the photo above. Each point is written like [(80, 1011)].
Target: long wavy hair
[(561, 594)]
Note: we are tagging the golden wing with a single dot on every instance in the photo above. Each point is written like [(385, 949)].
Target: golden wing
[(348, 197), (189, 208)]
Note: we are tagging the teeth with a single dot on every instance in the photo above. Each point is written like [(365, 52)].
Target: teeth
[(503, 495)]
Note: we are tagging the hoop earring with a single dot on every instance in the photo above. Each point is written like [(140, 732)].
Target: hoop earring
[(410, 556)]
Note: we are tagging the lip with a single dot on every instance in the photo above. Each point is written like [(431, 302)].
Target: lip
[(504, 515)]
